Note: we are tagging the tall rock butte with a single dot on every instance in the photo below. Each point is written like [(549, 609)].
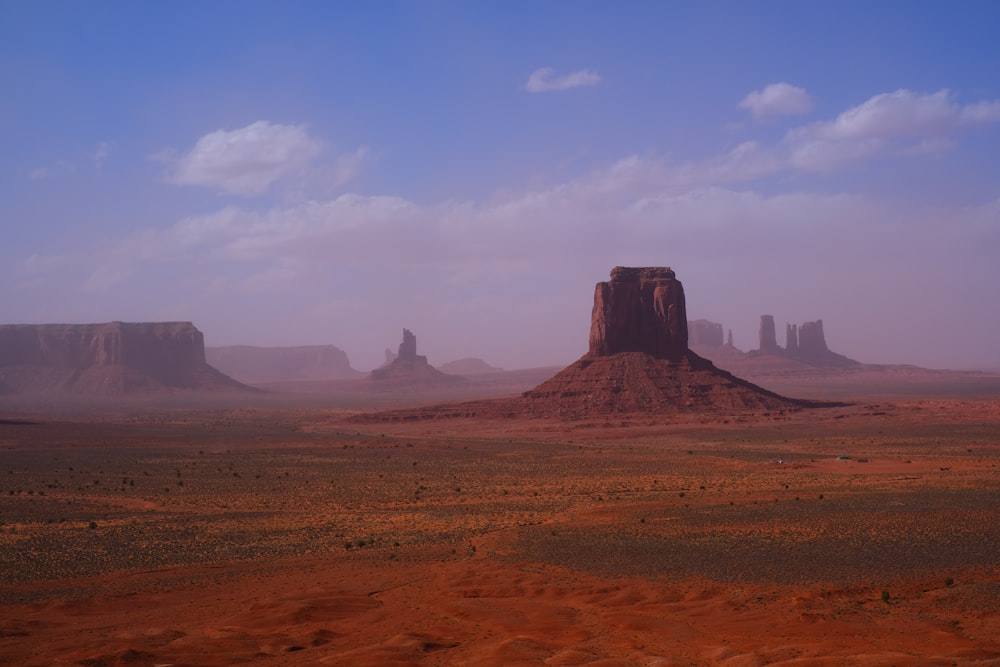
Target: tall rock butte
[(639, 310), (113, 358), (804, 343), (410, 368), (639, 361)]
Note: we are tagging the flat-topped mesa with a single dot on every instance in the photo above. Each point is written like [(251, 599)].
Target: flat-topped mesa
[(109, 358), (704, 333), (639, 310), (154, 347)]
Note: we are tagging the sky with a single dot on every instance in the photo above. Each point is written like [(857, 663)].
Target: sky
[(302, 173)]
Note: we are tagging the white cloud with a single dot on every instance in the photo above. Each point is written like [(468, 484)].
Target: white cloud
[(904, 113), (246, 161), (543, 80), (897, 123), (777, 99)]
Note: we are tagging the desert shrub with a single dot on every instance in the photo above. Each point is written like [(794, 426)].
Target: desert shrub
[(885, 597)]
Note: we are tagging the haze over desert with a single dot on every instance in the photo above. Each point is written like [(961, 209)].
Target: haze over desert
[(499, 334)]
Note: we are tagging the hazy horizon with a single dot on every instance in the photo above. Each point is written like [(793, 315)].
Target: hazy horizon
[(310, 173)]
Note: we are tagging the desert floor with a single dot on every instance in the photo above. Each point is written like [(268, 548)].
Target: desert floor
[(867, 534)]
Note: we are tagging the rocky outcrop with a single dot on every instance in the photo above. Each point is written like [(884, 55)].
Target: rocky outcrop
[(409, 368), (639, 310), (107, 359), (247, 363), (703, 333), (812, 342), (767, 335), (639, 361), (408, 348), (791, 338)]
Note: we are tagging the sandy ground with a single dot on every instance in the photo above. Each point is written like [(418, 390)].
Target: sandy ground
[(859, 535)]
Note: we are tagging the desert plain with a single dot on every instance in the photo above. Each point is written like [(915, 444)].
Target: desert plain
[(865, 533)]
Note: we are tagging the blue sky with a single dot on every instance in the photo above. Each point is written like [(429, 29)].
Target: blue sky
[(309, 172)]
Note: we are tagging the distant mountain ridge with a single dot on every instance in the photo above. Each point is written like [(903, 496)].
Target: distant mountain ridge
[(252, 364)]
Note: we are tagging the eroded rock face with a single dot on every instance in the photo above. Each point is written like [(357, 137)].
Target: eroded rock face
[(408, 348), (812, 342), (639, 361), (247, 363), (410, 368), (112, 358), (768, 337), (704, 333), (791, 338), (639, 310)]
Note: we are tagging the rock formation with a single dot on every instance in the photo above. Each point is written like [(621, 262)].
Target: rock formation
[(812, 342), (639, 361), (639, 310), (247, 363), (805, 344), (408, 348), (729, 339), (768, 337), (107, 359), (702, 333), (791, 338), (408, 367)]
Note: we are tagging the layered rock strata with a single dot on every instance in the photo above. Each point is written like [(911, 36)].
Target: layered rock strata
[(248, 363), (107, 359), (639, 361)]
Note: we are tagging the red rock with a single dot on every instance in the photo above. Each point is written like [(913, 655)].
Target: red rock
[(639, 361), (703, 333), (639, 310), (409, 368), (247, 363), (768, 338), (791, 338), (114, 358)]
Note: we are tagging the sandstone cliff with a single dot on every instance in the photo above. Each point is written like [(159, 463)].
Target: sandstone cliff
[(639, 361), (251, 364), (703, 333), (805, 344), (639, 310), (114, 358)]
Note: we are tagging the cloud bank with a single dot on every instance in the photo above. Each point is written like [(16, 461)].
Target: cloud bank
[(777, 99), (544, 80), (246, 161)]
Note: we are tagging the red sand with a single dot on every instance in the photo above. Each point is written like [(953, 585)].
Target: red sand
[(504, 543)]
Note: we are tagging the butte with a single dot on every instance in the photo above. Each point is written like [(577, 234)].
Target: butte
[(638, 363), (639, 360), (410, 368)]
